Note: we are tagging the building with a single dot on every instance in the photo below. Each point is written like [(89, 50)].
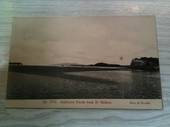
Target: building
[(145, 63)]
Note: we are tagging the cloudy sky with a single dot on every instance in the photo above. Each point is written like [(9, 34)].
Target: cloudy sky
[(83, 40)]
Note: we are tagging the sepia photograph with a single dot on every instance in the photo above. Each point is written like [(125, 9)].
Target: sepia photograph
[(84, 62)]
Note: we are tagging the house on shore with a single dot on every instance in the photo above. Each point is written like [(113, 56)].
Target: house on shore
[(145, 63)]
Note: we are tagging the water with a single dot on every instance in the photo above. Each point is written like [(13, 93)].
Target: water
[(95, 84)]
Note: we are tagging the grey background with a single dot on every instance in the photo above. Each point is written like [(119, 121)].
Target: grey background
[(84, 117)]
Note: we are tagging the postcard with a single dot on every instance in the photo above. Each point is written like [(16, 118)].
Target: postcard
[(84, 62)]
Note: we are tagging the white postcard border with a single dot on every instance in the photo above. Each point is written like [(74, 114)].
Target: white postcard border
[(86, 103)]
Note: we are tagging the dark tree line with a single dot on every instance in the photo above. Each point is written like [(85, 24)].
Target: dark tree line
[(145, 63)]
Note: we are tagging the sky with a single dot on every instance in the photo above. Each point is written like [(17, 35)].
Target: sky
[(82, 40)]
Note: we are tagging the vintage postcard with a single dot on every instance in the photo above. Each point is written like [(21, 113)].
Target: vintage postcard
[(84, 62)]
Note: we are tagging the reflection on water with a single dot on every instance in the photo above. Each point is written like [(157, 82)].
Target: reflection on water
[(132, 84), (114, 84)]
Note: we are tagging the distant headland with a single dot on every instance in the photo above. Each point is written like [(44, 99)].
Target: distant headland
[(142, 63)]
